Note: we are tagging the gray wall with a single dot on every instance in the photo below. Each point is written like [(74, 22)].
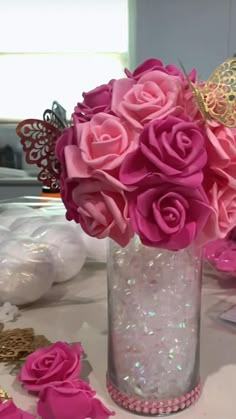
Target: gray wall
[(199, 33)]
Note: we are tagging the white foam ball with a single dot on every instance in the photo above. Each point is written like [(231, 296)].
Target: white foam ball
[(25, 226), (67, 249), (10, 214), (26, 271), (4, 233)]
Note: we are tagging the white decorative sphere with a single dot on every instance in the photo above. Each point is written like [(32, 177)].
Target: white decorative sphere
[(4, 233), (26, 271), (66, 247), (25, 226), (12, 213)]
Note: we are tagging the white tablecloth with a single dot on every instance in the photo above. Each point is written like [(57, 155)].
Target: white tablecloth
[(76, 311)]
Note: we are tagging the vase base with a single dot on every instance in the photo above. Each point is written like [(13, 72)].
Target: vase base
[(153, 408)]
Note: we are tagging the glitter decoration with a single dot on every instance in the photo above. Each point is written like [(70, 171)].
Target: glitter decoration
[(154, 323)]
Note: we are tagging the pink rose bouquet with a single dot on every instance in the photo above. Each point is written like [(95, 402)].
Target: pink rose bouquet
[(141, 159)]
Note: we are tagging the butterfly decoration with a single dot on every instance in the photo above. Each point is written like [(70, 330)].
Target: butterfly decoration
[(216, 98), (38, 139)]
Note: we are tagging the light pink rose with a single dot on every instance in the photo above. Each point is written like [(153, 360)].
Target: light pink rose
[(8, 410), (71, 400), (155, 95), (168, 216), (97, 149), (95, 101), (171, 149), (152, 64), (221, 147), (103, 212), (222, 199), (105, 141), (57, 362)]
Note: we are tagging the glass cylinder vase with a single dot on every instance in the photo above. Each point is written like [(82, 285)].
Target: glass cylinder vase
[(154, 299)]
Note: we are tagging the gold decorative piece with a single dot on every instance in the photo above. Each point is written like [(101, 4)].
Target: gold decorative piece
[(216, 98), (17, 344), (3, 395)]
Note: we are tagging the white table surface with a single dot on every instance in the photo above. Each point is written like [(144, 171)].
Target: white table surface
[(76, 311)]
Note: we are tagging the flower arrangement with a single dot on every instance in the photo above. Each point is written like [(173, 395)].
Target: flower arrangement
[(144, 156)]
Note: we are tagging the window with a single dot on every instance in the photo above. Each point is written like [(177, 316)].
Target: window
[(56, 49)]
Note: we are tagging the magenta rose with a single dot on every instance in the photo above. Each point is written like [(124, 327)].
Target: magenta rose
[(71, 400), (172, 149), (68, 137), (8, 410), (95, 101), (222, 253), (154, 64), (57, 362), (103, 212), (169, 216), (155, 95)]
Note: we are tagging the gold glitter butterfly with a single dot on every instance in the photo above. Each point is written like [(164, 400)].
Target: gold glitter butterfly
[(216, 98)]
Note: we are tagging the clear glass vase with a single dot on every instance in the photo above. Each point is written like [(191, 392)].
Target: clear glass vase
[(154, 299)]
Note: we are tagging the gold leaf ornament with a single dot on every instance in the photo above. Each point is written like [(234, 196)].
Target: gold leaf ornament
[(17, 344), (216, 98), (3, 396)]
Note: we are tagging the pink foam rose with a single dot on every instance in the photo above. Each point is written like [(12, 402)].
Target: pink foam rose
[(71, 400), (105, 141), (221, 146), (154, 64), (8, 410), (103, 212), (155, 95), (66, 191), (222, 199), (222, 254), (171, 149), (95, 101), (57, 362), (226, 261), (213, 249), (169, 216), (67, 138), (96, 148)]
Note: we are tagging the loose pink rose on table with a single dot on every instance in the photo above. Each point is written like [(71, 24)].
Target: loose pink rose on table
[(222, 254), (8, 410), (95, 101), (222, 199), (154, 64), (71, 400), (103, 212), (221, 146), (155, 95), (169, 216), (57, 362), (171, 149)]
